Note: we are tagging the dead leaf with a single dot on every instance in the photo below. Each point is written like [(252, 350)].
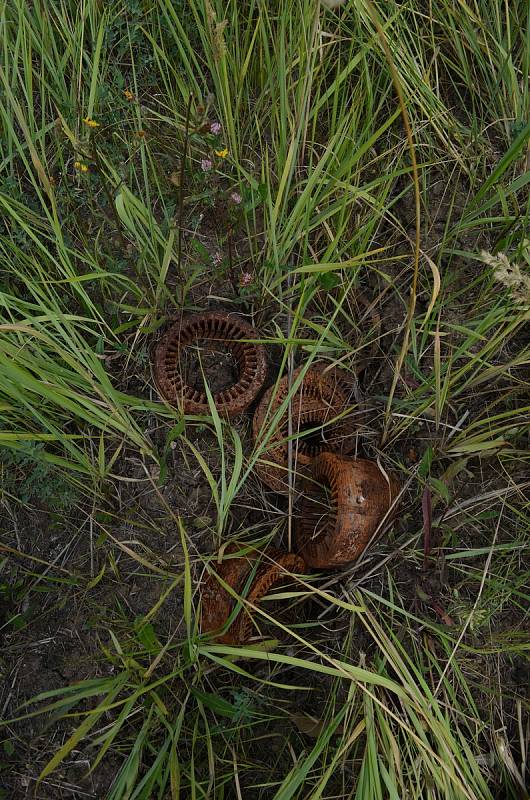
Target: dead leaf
[(436, 284), (444, 616)]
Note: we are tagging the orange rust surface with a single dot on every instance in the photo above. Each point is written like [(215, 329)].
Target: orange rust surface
[(322, 396), (226, 329), (335, 527), (217, 604), (267, 576)]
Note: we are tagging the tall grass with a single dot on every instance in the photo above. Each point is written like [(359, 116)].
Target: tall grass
[(314, 128)]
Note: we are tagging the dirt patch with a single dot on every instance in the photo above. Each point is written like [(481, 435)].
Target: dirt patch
[(209, 363)]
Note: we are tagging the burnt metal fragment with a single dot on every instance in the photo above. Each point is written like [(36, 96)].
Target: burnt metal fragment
[(316, 408), (205, 332), (344, 503), (217, 604)]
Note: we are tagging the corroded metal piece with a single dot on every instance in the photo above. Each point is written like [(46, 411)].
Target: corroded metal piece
[(324, 394), (345, 502), (204, 331), (217, 603), (273, 573)]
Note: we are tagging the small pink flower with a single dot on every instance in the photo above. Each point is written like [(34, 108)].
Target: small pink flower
[(215, 128), (206, 165), (245, 278), (235, 197), (217, 259)]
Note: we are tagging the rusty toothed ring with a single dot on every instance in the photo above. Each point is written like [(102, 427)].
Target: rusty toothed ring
[(217, 604), (203, 331), (345, 502), (324, 394)]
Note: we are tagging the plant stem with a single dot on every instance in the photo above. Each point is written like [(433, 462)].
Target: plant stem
[(181, 196), (231, 275)]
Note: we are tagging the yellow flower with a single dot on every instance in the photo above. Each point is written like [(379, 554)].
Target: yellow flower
[(90, 122), (222, 153), (128, 94), (80, 166)]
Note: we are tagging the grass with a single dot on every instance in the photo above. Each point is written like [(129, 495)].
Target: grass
[(379, 149)]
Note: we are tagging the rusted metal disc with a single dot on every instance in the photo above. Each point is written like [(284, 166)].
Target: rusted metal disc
[(344, 504), (216, 602), (205, 331), (324, 394)]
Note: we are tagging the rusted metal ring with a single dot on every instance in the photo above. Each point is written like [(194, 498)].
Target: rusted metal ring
[(323, 395), (343, 506), (226, 329), (268, 575), (217, 603)]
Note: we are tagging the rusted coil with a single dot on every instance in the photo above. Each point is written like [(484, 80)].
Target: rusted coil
[(344, 504), (217, 604), (205, 331), (323, 395)]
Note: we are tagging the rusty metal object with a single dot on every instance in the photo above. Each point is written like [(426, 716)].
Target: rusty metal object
[(344, 504), (204, 331), (217, 604), (323, 395), (274, 573)]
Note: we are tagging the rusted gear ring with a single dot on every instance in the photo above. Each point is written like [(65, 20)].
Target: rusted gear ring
[(268, 575), (217, 604), (323, 395), (213, 327), (345, 502)]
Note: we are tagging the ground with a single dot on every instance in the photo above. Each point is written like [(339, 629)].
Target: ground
[(404, 674)]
